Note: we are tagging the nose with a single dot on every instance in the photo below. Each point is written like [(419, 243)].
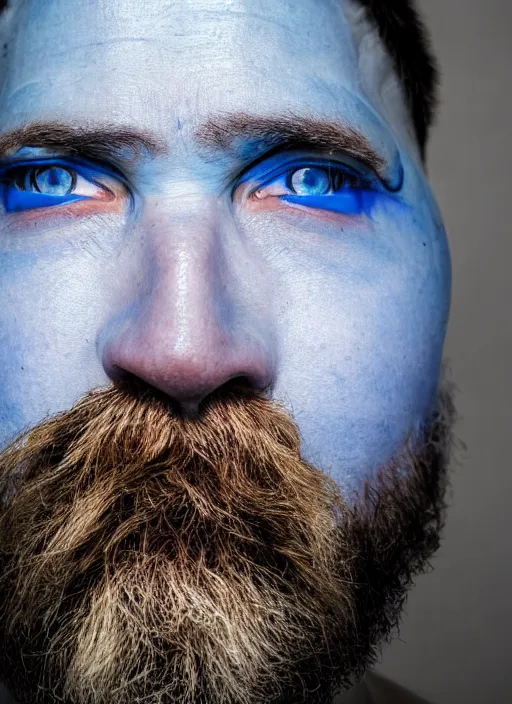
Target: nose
[(193, 312)]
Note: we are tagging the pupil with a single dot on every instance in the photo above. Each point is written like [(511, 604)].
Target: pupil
[(53, 180)]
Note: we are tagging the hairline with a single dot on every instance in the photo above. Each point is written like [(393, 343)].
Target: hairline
[(412, 56)]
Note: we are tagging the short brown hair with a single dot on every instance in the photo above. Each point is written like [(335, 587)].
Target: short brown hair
[(406, 39)]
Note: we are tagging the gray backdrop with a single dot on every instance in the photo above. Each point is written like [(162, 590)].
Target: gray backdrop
[(455, 641)]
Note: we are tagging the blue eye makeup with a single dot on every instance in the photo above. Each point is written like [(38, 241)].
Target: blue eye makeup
[(320, 184), (48, 183), (328, 188)]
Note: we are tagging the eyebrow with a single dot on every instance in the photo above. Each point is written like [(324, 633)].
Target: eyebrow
[(105, 143), (235, 134), (232, 133)]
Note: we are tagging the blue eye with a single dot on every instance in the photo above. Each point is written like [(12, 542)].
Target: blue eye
[(51, 180), (330, 186), (43, 184), (310, 181)]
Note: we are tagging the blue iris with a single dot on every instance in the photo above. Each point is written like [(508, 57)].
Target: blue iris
[(54, 181), (310, 181), (38, 185), (316, 183), (329, 188)]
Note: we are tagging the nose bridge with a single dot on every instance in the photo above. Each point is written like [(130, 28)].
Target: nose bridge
[(199, 319), (193, 291)]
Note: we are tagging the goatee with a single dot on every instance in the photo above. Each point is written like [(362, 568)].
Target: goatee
[(147, 557)]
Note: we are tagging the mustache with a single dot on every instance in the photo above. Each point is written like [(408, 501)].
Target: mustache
[(121, 440), (137, 474)]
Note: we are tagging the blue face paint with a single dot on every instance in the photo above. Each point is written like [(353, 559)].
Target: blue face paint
[(352, 326), (18, 201), (348, 203)]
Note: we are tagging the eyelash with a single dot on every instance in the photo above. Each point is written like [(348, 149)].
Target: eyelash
[(357, 188), (16, 179), (334, 187), (337, 176), (19, 175)]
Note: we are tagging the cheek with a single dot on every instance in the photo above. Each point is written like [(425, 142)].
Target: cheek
[(52, 302), (317, 213), (362, 317), (361, 364)]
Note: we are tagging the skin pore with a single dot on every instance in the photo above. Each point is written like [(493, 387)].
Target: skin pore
[(194, 193)]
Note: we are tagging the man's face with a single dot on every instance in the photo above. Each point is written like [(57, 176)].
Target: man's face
[(246, 201)]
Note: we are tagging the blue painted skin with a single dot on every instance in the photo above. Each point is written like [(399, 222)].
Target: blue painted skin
[(188, 279), (347, 203), (18, 201)]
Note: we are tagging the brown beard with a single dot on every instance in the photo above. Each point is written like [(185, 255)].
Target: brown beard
[(145, 557)]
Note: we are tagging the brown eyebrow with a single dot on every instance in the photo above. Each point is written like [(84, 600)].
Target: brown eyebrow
[(289, 132), (105, 143), (234, 134)]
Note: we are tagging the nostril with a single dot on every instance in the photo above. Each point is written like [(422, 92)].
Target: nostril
[(248, 385), (188, 374), (141, 390), (117, 374), (240, 384), (236, 386)]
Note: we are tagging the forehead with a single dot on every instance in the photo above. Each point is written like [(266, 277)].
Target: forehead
[(161, 63)]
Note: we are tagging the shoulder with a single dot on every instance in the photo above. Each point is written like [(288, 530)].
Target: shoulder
[(384, 691)]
